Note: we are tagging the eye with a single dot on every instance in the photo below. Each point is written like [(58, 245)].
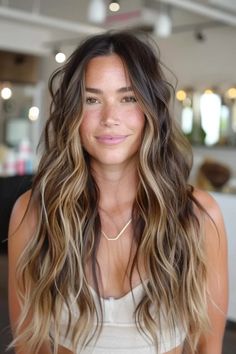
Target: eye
[(129, 99), (91, 100)]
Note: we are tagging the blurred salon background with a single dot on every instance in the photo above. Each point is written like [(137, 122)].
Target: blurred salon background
[(197, 42)]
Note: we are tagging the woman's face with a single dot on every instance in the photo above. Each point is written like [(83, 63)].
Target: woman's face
[(112, 124)]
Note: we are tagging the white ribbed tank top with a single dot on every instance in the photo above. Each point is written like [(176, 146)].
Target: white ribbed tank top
[(119, 333)]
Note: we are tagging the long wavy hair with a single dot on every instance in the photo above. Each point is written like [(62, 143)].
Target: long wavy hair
[(166, 230)]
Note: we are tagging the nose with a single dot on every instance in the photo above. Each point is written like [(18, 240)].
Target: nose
[(110, 115)]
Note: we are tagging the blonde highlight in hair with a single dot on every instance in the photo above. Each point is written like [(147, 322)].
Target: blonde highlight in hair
[(166, 230)]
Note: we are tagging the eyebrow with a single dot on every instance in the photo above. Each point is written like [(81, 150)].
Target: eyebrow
[(98, 91)]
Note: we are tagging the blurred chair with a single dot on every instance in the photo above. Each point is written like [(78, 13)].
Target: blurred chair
[(213, 175)]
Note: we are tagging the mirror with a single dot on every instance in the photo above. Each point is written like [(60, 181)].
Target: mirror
[(208, 118)]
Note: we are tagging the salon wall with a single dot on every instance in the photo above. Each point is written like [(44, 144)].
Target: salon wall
[(227, 204), (200, 64)]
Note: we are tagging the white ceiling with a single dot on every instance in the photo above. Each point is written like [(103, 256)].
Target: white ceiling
[(34, 26), (57, 20)]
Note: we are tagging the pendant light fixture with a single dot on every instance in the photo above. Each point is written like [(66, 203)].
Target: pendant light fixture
[(97, 11), (163, 25), (114, 6)]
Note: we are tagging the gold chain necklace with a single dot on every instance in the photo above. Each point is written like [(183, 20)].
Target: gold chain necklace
[(119, 234)]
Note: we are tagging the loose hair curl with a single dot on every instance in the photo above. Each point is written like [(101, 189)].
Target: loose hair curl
[(166, 230)]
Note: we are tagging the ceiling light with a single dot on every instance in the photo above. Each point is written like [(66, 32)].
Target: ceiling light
[(6, 93), (97, 11), (114, 6), (163, 25), (59, 56), (208, 92), (231, 93), (33, 113), (181, 95)]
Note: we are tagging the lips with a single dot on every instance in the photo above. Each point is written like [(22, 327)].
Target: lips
[(111, 139)]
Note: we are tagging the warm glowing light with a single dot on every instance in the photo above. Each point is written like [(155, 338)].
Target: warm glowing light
[(210, 108), (181, 95), (60, 57), (114, 6), (187, 120), (208, 92), (231, 93), (33, 113), (6, 93)]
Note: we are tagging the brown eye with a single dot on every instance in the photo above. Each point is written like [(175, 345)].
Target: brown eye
[(91, 100), (129, 99)]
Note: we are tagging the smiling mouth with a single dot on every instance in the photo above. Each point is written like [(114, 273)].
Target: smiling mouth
[(110, 139)]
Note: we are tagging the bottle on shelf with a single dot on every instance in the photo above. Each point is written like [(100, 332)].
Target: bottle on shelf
[(9, 165), (24, 163)]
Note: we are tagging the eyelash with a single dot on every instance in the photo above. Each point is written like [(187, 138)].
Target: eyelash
[(91, 100), (127, 99)]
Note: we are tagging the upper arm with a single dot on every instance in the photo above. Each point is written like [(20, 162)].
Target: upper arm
[(22, 226), (217, 274), (63, 350)]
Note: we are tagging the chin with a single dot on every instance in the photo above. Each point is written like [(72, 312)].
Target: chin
[(115, 160), (112, 162)]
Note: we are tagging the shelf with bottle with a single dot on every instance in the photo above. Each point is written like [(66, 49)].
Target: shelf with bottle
[(17, 161)]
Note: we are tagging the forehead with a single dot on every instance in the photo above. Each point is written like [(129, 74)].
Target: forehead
[(106, 66)]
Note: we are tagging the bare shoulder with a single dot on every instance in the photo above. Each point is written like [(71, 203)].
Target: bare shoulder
[(23, 211), (214, 230), (217, 271), (215, 242), (213, 213), (23, 221), (21, 204), (207, 201), (22, 228)]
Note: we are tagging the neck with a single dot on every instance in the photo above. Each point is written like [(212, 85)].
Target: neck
[(117, 186)]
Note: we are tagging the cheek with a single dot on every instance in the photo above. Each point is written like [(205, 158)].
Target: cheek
[(89, 120), (84, 132), (138, 120), (86, 125), (85, 141)]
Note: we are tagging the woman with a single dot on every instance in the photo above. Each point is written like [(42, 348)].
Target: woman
[(112, 251)]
